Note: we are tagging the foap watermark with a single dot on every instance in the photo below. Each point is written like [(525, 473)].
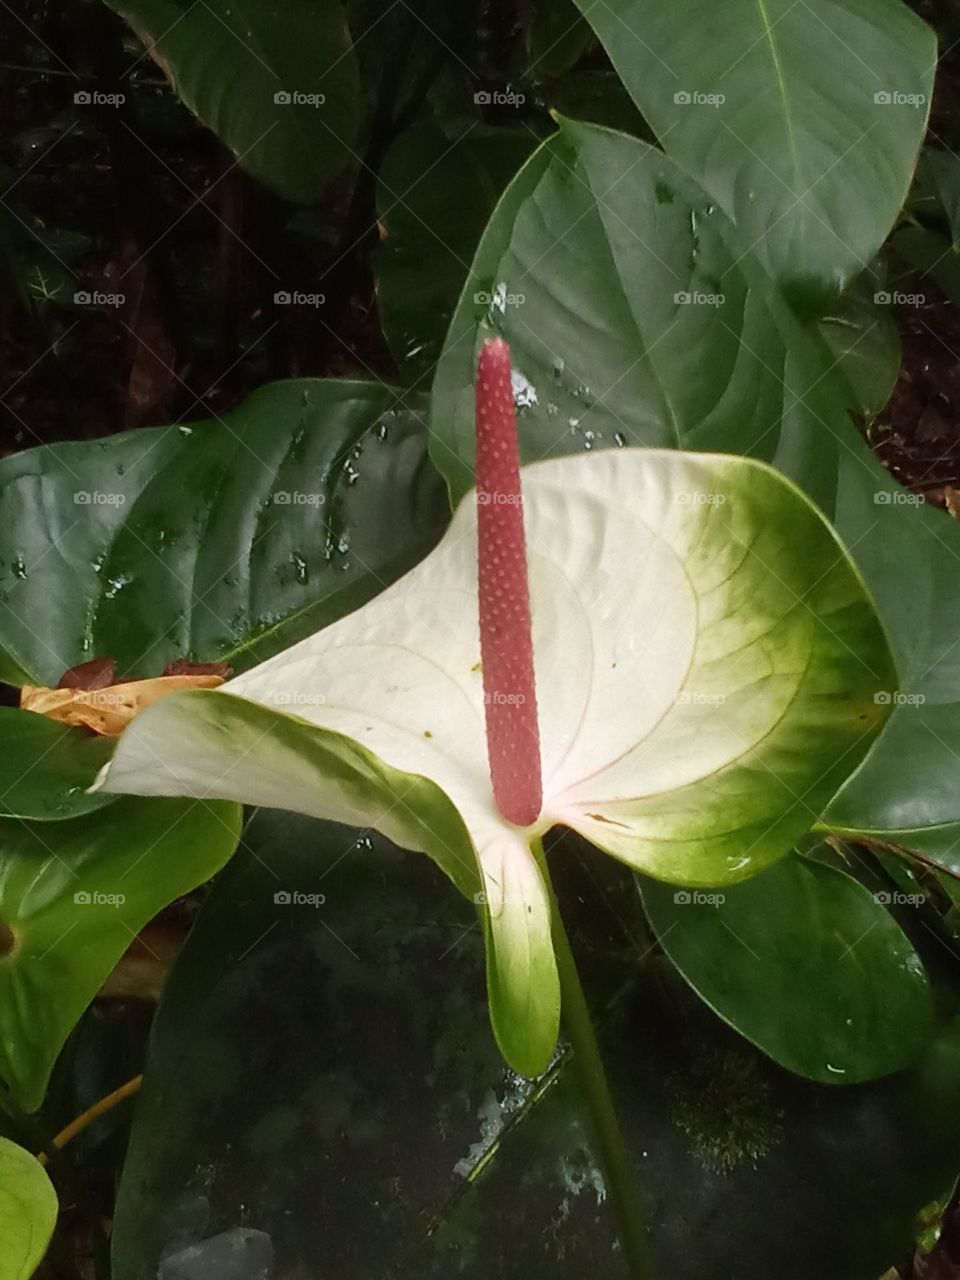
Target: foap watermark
[(897, 899), (94, 98), (94, 298), (694, 98), (897, 498), (94, 498), (295, 98), (894, 98), (295, 498), (690, 698), (497, 498), (893, 698), (894, 298), (296, 698), (500, 698), (106, 699), (296, 898), (499, 298), (94, 898), (694, 298), (499, 98), (294, 298), (698, 898), (697, 498)]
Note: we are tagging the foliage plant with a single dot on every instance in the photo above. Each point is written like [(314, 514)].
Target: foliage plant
[(604, 566)]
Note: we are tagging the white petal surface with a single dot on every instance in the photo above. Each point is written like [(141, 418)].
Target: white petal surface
[(706, 662)]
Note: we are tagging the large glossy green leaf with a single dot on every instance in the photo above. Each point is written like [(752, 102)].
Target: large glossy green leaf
[(278, 83), (435, 196), (805, 962), (225, 539), (73, 896), (802, 121), (693, 721), (46, 769), (28, 1212), (642, 321), (269, 1048)]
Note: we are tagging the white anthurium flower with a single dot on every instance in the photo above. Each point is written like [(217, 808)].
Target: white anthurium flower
[(706, 663)]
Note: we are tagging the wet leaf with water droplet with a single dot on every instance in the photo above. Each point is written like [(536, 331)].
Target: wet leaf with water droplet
[(180, 564)]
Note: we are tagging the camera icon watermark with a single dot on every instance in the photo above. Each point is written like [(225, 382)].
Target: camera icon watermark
[(296, 498), (94, 498), (691, 698), (499, 298), (94, 98), (498, 98), (94, 298), (894, 98), (893, 698), (495, 900), (694, 298), (897, 498), (887, 298), (895, 898), (294, 898), (694, 98), (497, 498), (294, 98), (500, 698), (94, 898), (697, 498), (296, 698), (294, 298), (698, 898)]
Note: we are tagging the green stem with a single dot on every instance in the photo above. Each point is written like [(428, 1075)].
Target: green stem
[(617, 1169)]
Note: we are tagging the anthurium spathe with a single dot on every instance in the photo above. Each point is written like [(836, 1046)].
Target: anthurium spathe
[(706, 664)]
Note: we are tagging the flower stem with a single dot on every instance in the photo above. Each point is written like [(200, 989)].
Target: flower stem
[(617, 1169)]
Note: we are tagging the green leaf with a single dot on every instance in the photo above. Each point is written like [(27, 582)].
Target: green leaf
[(557, 36), (642, 321), (862, 334), (277, 83), (473, 1171), (932, 254), (73, 896), (35, 260), (939, 172), (905, 789), (802, 121), (807, 964), (434, 198), (28, 1212), (226, 539), (692, 721), (46, 768)]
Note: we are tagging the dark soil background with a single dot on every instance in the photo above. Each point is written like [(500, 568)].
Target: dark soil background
[(198, 251)]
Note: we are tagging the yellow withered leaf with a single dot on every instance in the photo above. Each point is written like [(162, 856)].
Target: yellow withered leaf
[(107, 711)]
